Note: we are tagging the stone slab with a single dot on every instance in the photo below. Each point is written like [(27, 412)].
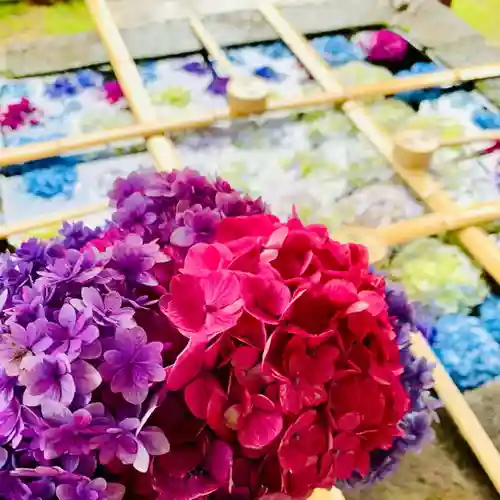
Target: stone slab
[(432, 24), (161, 28), (468, 51)]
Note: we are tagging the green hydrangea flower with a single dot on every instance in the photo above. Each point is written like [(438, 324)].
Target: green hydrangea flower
[(439, 275), (176, 96), (446, 127), (390, 113), (358, 73)]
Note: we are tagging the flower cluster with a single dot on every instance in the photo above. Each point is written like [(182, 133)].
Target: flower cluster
[(383, 46), (293, 359), (179, 208), (197, 347), (18, 114)]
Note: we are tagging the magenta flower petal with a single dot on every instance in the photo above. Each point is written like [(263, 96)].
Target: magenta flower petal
[(186, 367), (260, 428), (87, 378)]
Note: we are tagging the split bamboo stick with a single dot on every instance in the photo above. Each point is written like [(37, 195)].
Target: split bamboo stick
[(474, 239), (460, 411), (484, 136), (162, 150), (7, 230)]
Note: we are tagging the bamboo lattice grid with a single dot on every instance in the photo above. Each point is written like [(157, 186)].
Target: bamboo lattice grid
[(444, 216)]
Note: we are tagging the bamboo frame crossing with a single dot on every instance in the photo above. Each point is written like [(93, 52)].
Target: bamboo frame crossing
[(445, 214)]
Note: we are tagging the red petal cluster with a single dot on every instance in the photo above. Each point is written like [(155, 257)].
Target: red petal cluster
[(290, 376), (18, 114)]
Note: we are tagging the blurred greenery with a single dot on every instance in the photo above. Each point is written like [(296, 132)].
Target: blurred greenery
[(24, 21), (483, 15)]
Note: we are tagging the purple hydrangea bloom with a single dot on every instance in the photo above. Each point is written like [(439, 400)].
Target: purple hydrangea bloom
[(15, 275), (105, 309), (48, 378), (218, 86), (131, 444), (132, 260), (7, 385), (70, 433), (11, 424), (197, 68), (196, 225), (136, 182), (75, 266), (135, 215), (13, 487), (76, 235), (133, 365), (30, 303), (21, 343), (42, 489), (87, 489), (54, 379), (73, 335)]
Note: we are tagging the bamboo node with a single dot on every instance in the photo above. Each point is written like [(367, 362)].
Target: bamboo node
[(247, 96), (413, 149)]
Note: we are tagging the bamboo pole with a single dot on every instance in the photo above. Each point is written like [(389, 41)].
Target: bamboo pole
[(474, 239), (162, 149), (461, 413)]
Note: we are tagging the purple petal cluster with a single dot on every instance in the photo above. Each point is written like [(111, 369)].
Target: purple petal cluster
[(76, 370), (179, 207)]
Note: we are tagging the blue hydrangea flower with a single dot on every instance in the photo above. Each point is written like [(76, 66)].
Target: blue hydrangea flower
[(275, 50), (51, 181), (486, 119), (490, 315), (88, 78), (416, 96), (267, 73), (337, 50), (61, 87), (148, 71), (76, 235), (468, 352)]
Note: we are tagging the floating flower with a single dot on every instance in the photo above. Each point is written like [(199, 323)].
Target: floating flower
[(275, 50), (88, 78), (383, 46), (468, 352), (490, 316), (337, 49), (267, 73), (218, 86), (18, 114), (416, 96), (61, 87), (486, 119), (438, 274), (176, 96), (51, 181), (112, 91)]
